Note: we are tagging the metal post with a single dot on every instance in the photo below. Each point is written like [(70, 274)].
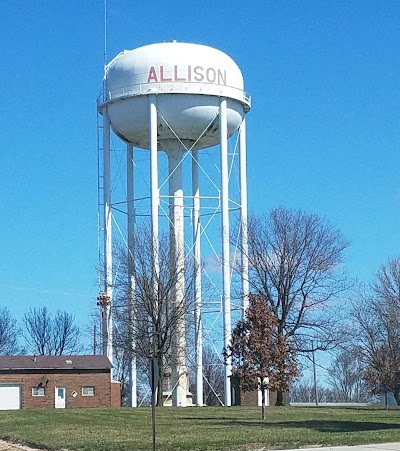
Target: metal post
[(226, 278), (315, 375), (197, 277), (154, 195), (94, 340), (243, 217), (153, 404), (107, 317), (131, 278), (154, 204)]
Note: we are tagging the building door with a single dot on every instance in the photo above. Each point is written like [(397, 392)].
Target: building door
[(60, 398), (10, 397)]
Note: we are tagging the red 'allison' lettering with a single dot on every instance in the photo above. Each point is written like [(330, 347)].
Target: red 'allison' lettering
[(162, 74)]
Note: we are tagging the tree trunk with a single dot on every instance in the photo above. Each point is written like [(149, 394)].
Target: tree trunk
[(386, 400), (281, 398), (396, 394)]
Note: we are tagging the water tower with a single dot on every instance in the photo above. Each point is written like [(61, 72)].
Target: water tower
[(177, 98)]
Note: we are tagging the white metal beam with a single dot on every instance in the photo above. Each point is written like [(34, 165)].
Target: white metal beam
[(131, 278), (226, 275), (107, 315), (197, 278), (243, 217), (154, 194)]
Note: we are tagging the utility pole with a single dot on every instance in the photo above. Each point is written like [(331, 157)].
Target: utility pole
[(315, 375)]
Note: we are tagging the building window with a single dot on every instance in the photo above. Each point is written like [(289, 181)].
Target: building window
[(87, 391), (38, 391)]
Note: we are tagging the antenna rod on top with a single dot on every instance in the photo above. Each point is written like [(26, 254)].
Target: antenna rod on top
[(105, 49), (105, 34)]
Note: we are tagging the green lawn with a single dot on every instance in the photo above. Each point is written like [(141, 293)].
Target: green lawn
[(208, 428)]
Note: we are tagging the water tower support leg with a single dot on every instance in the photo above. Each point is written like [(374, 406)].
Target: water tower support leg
[(131, 278), (226, 277), (107, 317), (197, 277), (154, 195), (243, 217), (154, 204)]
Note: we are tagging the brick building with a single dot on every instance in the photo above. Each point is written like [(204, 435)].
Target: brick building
[(57, 381), (251, 397)]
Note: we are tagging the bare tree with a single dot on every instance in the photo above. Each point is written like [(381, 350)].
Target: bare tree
[(261, 356), (123, 356), (302, 391), (294, 259), (47, 335), (346, 377), (9, 333), (376, 311), (213, 374), (37, 333), (65, 337), (155, 325)]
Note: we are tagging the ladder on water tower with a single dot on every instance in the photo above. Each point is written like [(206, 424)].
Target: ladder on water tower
[(100, 202)]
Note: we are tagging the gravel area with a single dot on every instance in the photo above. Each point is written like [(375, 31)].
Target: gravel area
[(8, 446)]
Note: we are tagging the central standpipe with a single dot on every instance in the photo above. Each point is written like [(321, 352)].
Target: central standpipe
[(177, 266), (197, 278)]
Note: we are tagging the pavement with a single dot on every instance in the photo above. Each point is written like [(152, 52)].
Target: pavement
[(7, 446), (379, 446)]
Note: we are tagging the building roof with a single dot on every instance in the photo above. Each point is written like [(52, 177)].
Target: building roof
[(52, 362)]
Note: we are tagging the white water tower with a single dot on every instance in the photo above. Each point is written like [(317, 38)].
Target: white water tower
[(176, 98)]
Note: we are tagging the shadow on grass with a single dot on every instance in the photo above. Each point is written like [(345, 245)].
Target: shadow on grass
[(318, 425)]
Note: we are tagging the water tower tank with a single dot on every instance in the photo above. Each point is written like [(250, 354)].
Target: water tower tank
[(188, 80)]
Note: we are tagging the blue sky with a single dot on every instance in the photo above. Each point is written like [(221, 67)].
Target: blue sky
[(323, 132)]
